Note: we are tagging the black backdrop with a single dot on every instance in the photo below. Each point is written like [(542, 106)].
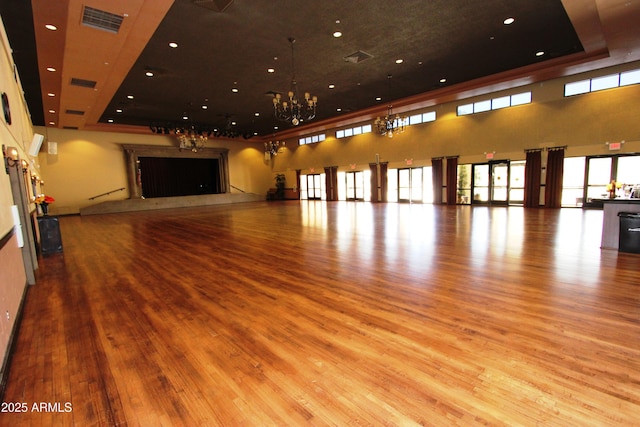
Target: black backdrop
[(167, 177)]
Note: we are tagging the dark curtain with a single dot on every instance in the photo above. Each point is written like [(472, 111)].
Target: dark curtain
[(374, 181), (331, 182), (532, 175), (169, 177), (452, 180), (555, 172), (383, 181), (436, 170), (298, 171)]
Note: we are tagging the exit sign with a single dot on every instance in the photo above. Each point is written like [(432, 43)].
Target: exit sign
[(615, 145)]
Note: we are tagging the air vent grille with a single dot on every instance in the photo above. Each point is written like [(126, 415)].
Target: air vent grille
[(357, 57), (83, 83), (75, 112), (96, 18)]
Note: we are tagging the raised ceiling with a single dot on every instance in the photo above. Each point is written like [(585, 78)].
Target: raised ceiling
[(100, 80)]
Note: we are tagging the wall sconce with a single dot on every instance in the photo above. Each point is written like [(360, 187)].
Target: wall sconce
[(10, 157)]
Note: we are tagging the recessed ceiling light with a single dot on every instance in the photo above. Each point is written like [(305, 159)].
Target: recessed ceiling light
[(508, 21), (332, 86), (378, 98), (275, 128), (110, 120), (51, 27), (233, 123), (337, 33), (52, 111), (173, 45), (52, 123), (399, 61), (540, 53), (443, 80), (129, 96), (51, 94), (204, 107), (338, 109), (185, 117), (51, 69), (234, 90), (119, 110), (256, 114), (271, 70), (148, 74)]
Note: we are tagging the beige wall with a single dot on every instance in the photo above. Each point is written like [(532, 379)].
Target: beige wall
[(583, 123), (17, 135), (88, 164), (91, 163)]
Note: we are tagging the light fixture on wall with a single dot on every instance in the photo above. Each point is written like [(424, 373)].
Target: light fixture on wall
[(294, 110), (10, 156), (272, 148), (390, 124)]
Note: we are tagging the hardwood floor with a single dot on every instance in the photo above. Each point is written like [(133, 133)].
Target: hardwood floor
[(336, 313)]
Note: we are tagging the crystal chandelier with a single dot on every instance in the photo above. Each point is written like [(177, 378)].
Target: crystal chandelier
[(272, 148), (191, 139), (390, 124), (294, 110)]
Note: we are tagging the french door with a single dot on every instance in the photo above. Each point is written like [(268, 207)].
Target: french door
[(410, 185), (490, 183), (355, 185), (314, 187)]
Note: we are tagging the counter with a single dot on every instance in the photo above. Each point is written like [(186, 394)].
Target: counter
[(611, 222)]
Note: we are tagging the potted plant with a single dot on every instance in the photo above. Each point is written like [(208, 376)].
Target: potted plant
[(280, 183)]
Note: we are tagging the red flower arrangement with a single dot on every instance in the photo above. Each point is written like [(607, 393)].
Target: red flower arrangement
[(44, 201)]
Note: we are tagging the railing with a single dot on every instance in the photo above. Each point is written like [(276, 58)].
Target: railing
[(106, 194)]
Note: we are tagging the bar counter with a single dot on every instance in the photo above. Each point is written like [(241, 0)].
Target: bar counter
[(611, 222)]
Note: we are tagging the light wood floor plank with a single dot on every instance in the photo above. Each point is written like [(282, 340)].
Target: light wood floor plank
[(318, 313)]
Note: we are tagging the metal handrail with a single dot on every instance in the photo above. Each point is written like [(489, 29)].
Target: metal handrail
[(240, 190), (106, 194)]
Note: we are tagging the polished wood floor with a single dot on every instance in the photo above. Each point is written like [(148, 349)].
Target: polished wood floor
[(312, 313)]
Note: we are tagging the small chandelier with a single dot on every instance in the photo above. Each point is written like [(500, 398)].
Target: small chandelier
[(190, 139), (294, 110), (272, 148), (390, 124)]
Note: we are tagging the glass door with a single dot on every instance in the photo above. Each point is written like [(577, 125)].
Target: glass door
[(499, 183), (314, 187), (410, 185), (490, 183), (355, 185)]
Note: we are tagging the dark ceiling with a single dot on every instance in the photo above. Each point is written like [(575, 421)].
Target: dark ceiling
[(456, 40)]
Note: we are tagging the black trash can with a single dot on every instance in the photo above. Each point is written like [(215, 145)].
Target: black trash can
[(629, 232)]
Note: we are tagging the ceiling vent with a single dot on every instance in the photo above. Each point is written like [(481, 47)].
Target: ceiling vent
[(75, 112), (83, 83), (96, 18), (357, 57), (215, 5)]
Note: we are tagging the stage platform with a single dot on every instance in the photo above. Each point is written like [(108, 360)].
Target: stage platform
[(131, 205)]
